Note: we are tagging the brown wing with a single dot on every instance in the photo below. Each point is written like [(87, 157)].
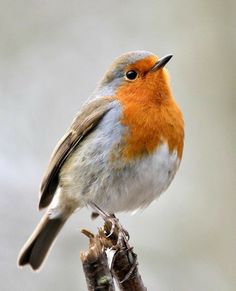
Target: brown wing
[(85, 121)]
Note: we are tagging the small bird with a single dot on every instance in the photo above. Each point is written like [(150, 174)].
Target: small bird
[(120, 153)]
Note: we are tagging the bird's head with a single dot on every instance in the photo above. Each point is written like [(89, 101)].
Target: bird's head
[(137, 73)]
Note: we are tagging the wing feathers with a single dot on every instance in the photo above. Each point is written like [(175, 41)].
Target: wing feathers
[(84, 122)]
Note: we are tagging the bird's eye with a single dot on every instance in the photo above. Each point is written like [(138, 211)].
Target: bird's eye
[(131, 75)]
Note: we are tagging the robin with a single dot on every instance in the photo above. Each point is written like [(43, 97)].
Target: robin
[(120, 153)]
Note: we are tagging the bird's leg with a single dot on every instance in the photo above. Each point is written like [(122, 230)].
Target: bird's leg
[(123, 235), (105, 215)]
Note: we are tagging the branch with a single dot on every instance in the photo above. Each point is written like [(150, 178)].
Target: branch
[(95, 265), (124, 266)]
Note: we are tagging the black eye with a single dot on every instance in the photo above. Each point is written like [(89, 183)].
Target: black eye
[(131, 75)]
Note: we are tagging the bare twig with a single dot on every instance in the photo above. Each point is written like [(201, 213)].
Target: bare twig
[(124, 264), (95, 265)]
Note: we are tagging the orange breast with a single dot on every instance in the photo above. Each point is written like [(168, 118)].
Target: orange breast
[(151, 118)]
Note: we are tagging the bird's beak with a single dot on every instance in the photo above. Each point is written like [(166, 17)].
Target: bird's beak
[(161, 63)]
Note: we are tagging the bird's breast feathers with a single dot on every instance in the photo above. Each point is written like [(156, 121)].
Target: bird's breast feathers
[(149, 126)]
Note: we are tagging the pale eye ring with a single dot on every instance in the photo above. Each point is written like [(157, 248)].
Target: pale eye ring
[(131, 75)]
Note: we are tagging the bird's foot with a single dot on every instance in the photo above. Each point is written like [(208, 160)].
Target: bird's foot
[(116, 227)]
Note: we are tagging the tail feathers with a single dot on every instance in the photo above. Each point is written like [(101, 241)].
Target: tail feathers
[(36, 248)]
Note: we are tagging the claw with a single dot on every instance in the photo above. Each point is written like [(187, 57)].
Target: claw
[(135, 264), (123, 235)]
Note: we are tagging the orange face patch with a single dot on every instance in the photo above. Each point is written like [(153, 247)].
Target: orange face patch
[(143, 65), (150, 112)]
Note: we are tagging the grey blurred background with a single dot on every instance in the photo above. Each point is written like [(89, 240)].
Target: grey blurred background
[(52, 53)]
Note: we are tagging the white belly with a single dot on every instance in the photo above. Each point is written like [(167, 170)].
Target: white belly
[(140, 184), (122, 189)]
